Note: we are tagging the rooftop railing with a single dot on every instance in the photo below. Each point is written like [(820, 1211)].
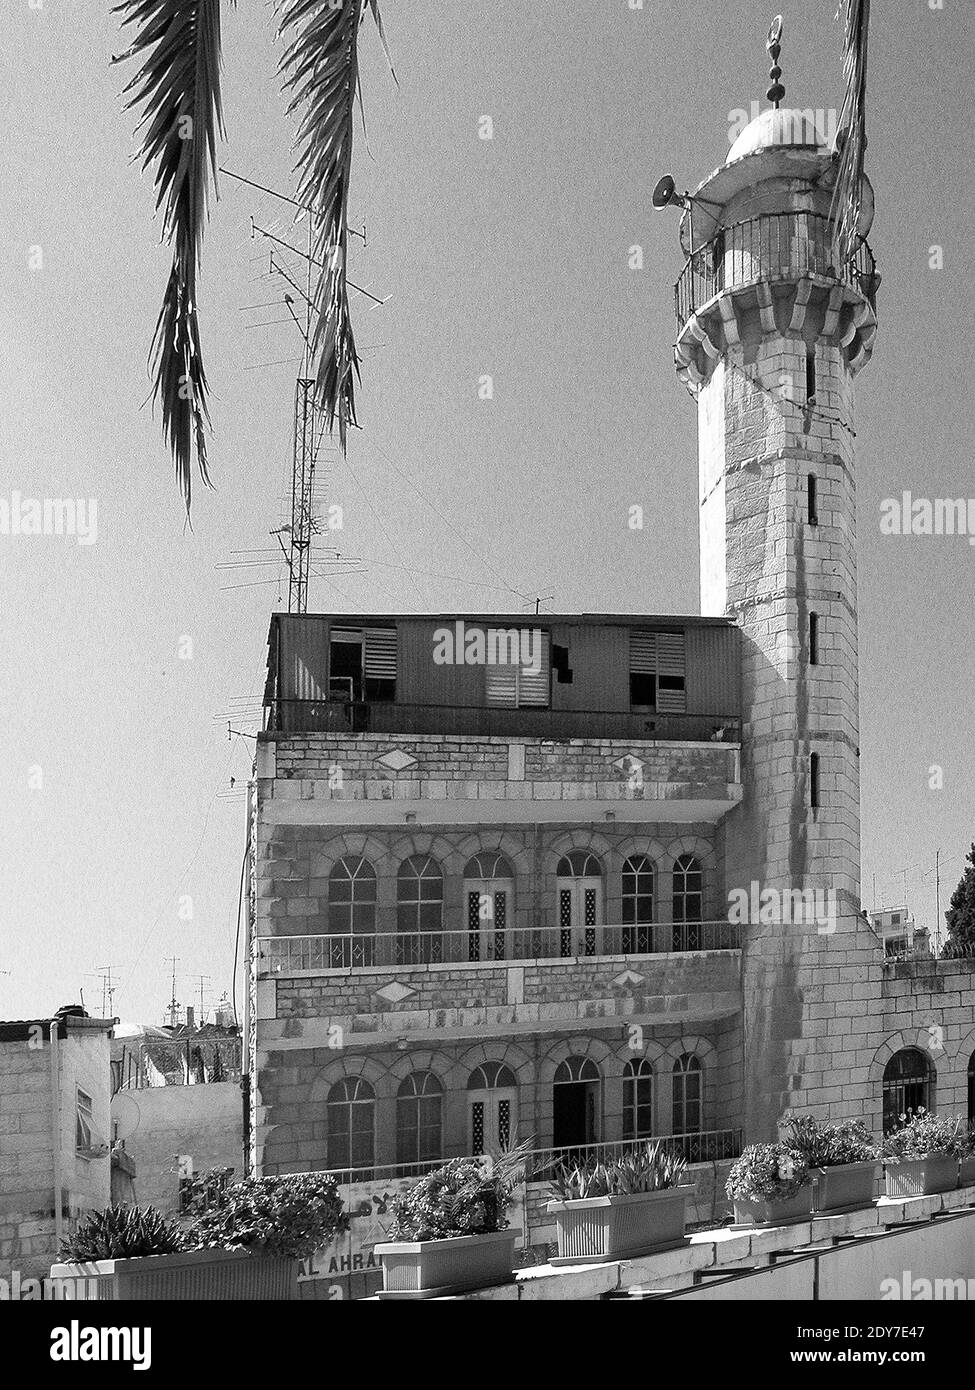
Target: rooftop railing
[(706, 1146), (322, 954), (782, 245), (342, 716)]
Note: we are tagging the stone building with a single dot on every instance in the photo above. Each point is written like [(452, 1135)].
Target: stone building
[(54, 1134), (605, 883)]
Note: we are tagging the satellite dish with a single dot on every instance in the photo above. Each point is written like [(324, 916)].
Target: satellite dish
[(126, 1115), (666, 193)]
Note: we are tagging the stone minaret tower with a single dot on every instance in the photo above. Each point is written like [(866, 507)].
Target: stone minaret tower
[(771, 333)]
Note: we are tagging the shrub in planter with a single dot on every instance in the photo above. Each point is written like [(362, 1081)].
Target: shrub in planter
[(769, 1185), (841, 1159), (450, 1231), (243, 1243), (966, 1162), (628, 1206), (921, 1155)]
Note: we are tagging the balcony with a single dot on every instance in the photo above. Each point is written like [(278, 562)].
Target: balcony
[(291, 956), (339, 716), (783, 246), (706, 1146)]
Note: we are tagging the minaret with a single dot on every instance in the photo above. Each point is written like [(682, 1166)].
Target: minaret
[(773, 326)]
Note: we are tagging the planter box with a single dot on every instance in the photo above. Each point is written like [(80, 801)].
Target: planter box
[(193, 1275), (435, 1268), (757, 1212), (844, 1187), (966, 1172), (596, 1229), (920, 1177)]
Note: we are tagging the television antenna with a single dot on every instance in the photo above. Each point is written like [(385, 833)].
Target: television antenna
[(296, 536)]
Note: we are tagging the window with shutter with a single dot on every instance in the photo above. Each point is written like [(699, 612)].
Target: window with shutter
[(514, 686), (379, 663), (657, 676)]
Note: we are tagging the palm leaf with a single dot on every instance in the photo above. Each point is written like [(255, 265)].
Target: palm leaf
[(848, 190), (178, 88), (321, 75)]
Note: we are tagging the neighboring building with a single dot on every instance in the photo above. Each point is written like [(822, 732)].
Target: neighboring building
[(608, 885), (176, 1106), (900, 934), (54, 1134)]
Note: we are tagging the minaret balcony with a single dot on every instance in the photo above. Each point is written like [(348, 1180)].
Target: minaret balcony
[(773, 274)]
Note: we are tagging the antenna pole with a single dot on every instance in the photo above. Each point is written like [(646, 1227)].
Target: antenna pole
[(173, 1004)]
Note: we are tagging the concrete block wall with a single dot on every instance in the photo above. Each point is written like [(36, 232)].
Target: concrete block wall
[(27, 1200)]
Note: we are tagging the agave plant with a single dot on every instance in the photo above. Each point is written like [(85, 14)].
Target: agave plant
[(120, 1233), (651, 1168), (178, 87)]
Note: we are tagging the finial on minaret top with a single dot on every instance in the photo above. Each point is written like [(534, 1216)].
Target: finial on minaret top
[(776, 91)]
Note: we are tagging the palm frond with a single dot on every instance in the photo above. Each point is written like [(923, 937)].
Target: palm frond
[(321, 75), (178, 88), (852, 125)]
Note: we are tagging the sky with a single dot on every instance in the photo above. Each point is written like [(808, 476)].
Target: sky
[(124, 660)]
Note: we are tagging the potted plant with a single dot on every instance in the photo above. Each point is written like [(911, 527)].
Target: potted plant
[(769, 1186), (243, 1242), (966, 1163), (921, 1155), (628, 1206), (841, 1160), (450, 1231)]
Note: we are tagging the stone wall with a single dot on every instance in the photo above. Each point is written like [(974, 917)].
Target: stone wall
[(27, 1227)]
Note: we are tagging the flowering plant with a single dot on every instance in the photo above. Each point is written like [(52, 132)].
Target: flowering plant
[(767, 1173), (825, 1145), (464, 1197), (292, 1215), (920, 1133)]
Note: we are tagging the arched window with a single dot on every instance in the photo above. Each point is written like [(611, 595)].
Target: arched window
[(688, 1094), (489, 895), (908, 1086), (492, 1108), (688, 903), (352, 912), (579, 885), (575, 1105), (637, 1100), (419, 911), (419, 1118), (638, 886), (351, 1118)]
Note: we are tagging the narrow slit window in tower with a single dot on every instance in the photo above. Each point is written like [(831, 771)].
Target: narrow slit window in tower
[(810, 374), (814, 781), (813, 639), (812, 500)]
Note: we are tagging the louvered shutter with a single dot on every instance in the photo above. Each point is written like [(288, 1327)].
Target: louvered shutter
[(534, 689), (380, 654), (501, 686), (670, 662), (643, 653)]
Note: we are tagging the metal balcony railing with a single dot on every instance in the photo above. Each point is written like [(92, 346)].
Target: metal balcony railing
[(341, 716), (706, 1146), (320, 954), (782, 245)]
